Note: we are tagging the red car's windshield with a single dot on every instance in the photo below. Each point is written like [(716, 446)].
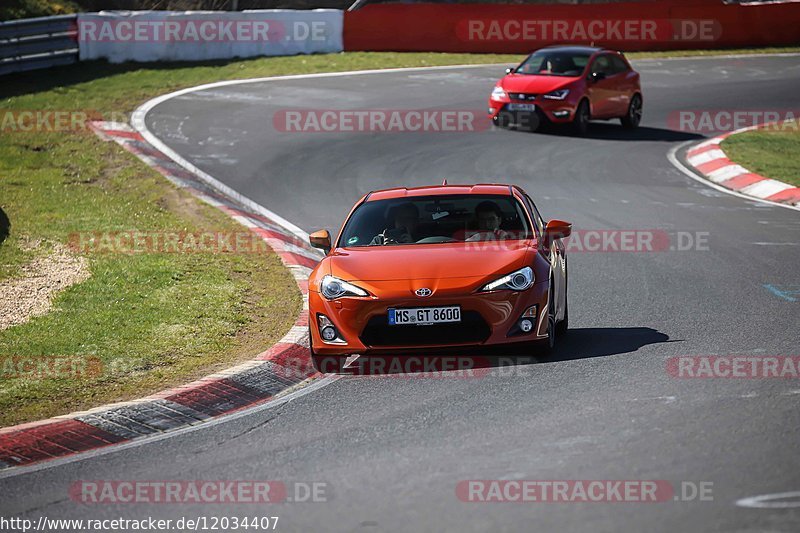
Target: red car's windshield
[(554, 63), (436, 219)]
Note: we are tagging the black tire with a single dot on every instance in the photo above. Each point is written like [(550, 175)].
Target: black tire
[(502, 120), (550, 344), (531, 122), (634, 116), (580, 122)]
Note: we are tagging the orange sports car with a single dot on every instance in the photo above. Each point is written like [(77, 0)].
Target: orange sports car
[(438, 267)]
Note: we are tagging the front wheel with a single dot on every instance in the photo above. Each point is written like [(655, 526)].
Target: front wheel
[(550, 344), (501, 120), (562, 327), (580, 124), (634, 116)]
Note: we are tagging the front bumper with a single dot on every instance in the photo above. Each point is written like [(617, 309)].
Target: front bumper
[(488, 319), (556, 111)]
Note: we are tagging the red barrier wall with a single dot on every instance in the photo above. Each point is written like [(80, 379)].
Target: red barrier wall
[(496, 28)]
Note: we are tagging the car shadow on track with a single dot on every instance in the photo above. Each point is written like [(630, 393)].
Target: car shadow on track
[(615, 132), (579, 343), (584, 343)]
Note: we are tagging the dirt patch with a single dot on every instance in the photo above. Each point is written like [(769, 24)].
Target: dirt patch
[(184, 205), (31, 293)]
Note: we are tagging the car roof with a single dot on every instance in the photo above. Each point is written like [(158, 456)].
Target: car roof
[(575, 48), (438, 190)]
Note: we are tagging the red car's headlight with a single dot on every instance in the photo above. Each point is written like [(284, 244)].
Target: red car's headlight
[(516, 281), (332, 287), (498, 93), (557, 95)]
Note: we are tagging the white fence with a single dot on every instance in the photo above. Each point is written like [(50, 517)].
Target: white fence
[(120, 36), (203, 35)]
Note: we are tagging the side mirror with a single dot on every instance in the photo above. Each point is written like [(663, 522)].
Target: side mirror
[(321, 239), (556, 229), (597, 76), (509, 70)]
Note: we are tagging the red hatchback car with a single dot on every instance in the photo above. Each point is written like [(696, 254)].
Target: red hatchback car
[(568, 85)]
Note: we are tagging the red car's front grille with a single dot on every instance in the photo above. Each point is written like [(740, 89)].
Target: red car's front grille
[(522, 97)]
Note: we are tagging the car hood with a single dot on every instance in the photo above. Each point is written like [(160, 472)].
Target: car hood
[(429, 262), (531, 83)]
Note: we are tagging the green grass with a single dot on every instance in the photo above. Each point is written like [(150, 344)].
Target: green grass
[(713, 52), (771, 152), (23, 9), (154, 320)]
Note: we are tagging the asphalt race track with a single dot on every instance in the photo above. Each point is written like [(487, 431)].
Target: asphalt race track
[(392, 449)]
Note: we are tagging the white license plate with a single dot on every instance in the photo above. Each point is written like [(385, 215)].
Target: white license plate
[(424, 315), (522, 107)]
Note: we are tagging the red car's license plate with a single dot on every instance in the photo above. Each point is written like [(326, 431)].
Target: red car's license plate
[(522, 107), (424, 315)]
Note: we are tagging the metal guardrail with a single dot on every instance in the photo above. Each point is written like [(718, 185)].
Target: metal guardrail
[(30, 44)]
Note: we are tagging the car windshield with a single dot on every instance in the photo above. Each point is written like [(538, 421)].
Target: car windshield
[(554, 63), (435, 220)]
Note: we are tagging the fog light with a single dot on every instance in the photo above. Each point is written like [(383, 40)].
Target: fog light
[(561, 114), (525, 325), (328, 333), (327, 330)]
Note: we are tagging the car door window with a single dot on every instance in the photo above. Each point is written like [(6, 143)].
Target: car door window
[(538, 223), (602, 65), (618, 65)]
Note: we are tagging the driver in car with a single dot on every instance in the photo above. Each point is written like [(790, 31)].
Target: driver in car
[(489, 217), (405, 222), (558, 65)]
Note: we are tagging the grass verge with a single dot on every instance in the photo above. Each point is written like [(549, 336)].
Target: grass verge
[(771, 152), (714, 52), (150, 321)]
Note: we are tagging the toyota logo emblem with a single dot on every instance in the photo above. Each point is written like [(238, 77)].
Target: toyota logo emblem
[(423, 292)]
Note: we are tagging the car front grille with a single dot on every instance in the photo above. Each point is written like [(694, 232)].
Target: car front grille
[(471, 330), (522, 97)]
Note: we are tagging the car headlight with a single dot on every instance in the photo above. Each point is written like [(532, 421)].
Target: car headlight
[(498, 93), (332, 287), (516, 281), (557, 95)]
